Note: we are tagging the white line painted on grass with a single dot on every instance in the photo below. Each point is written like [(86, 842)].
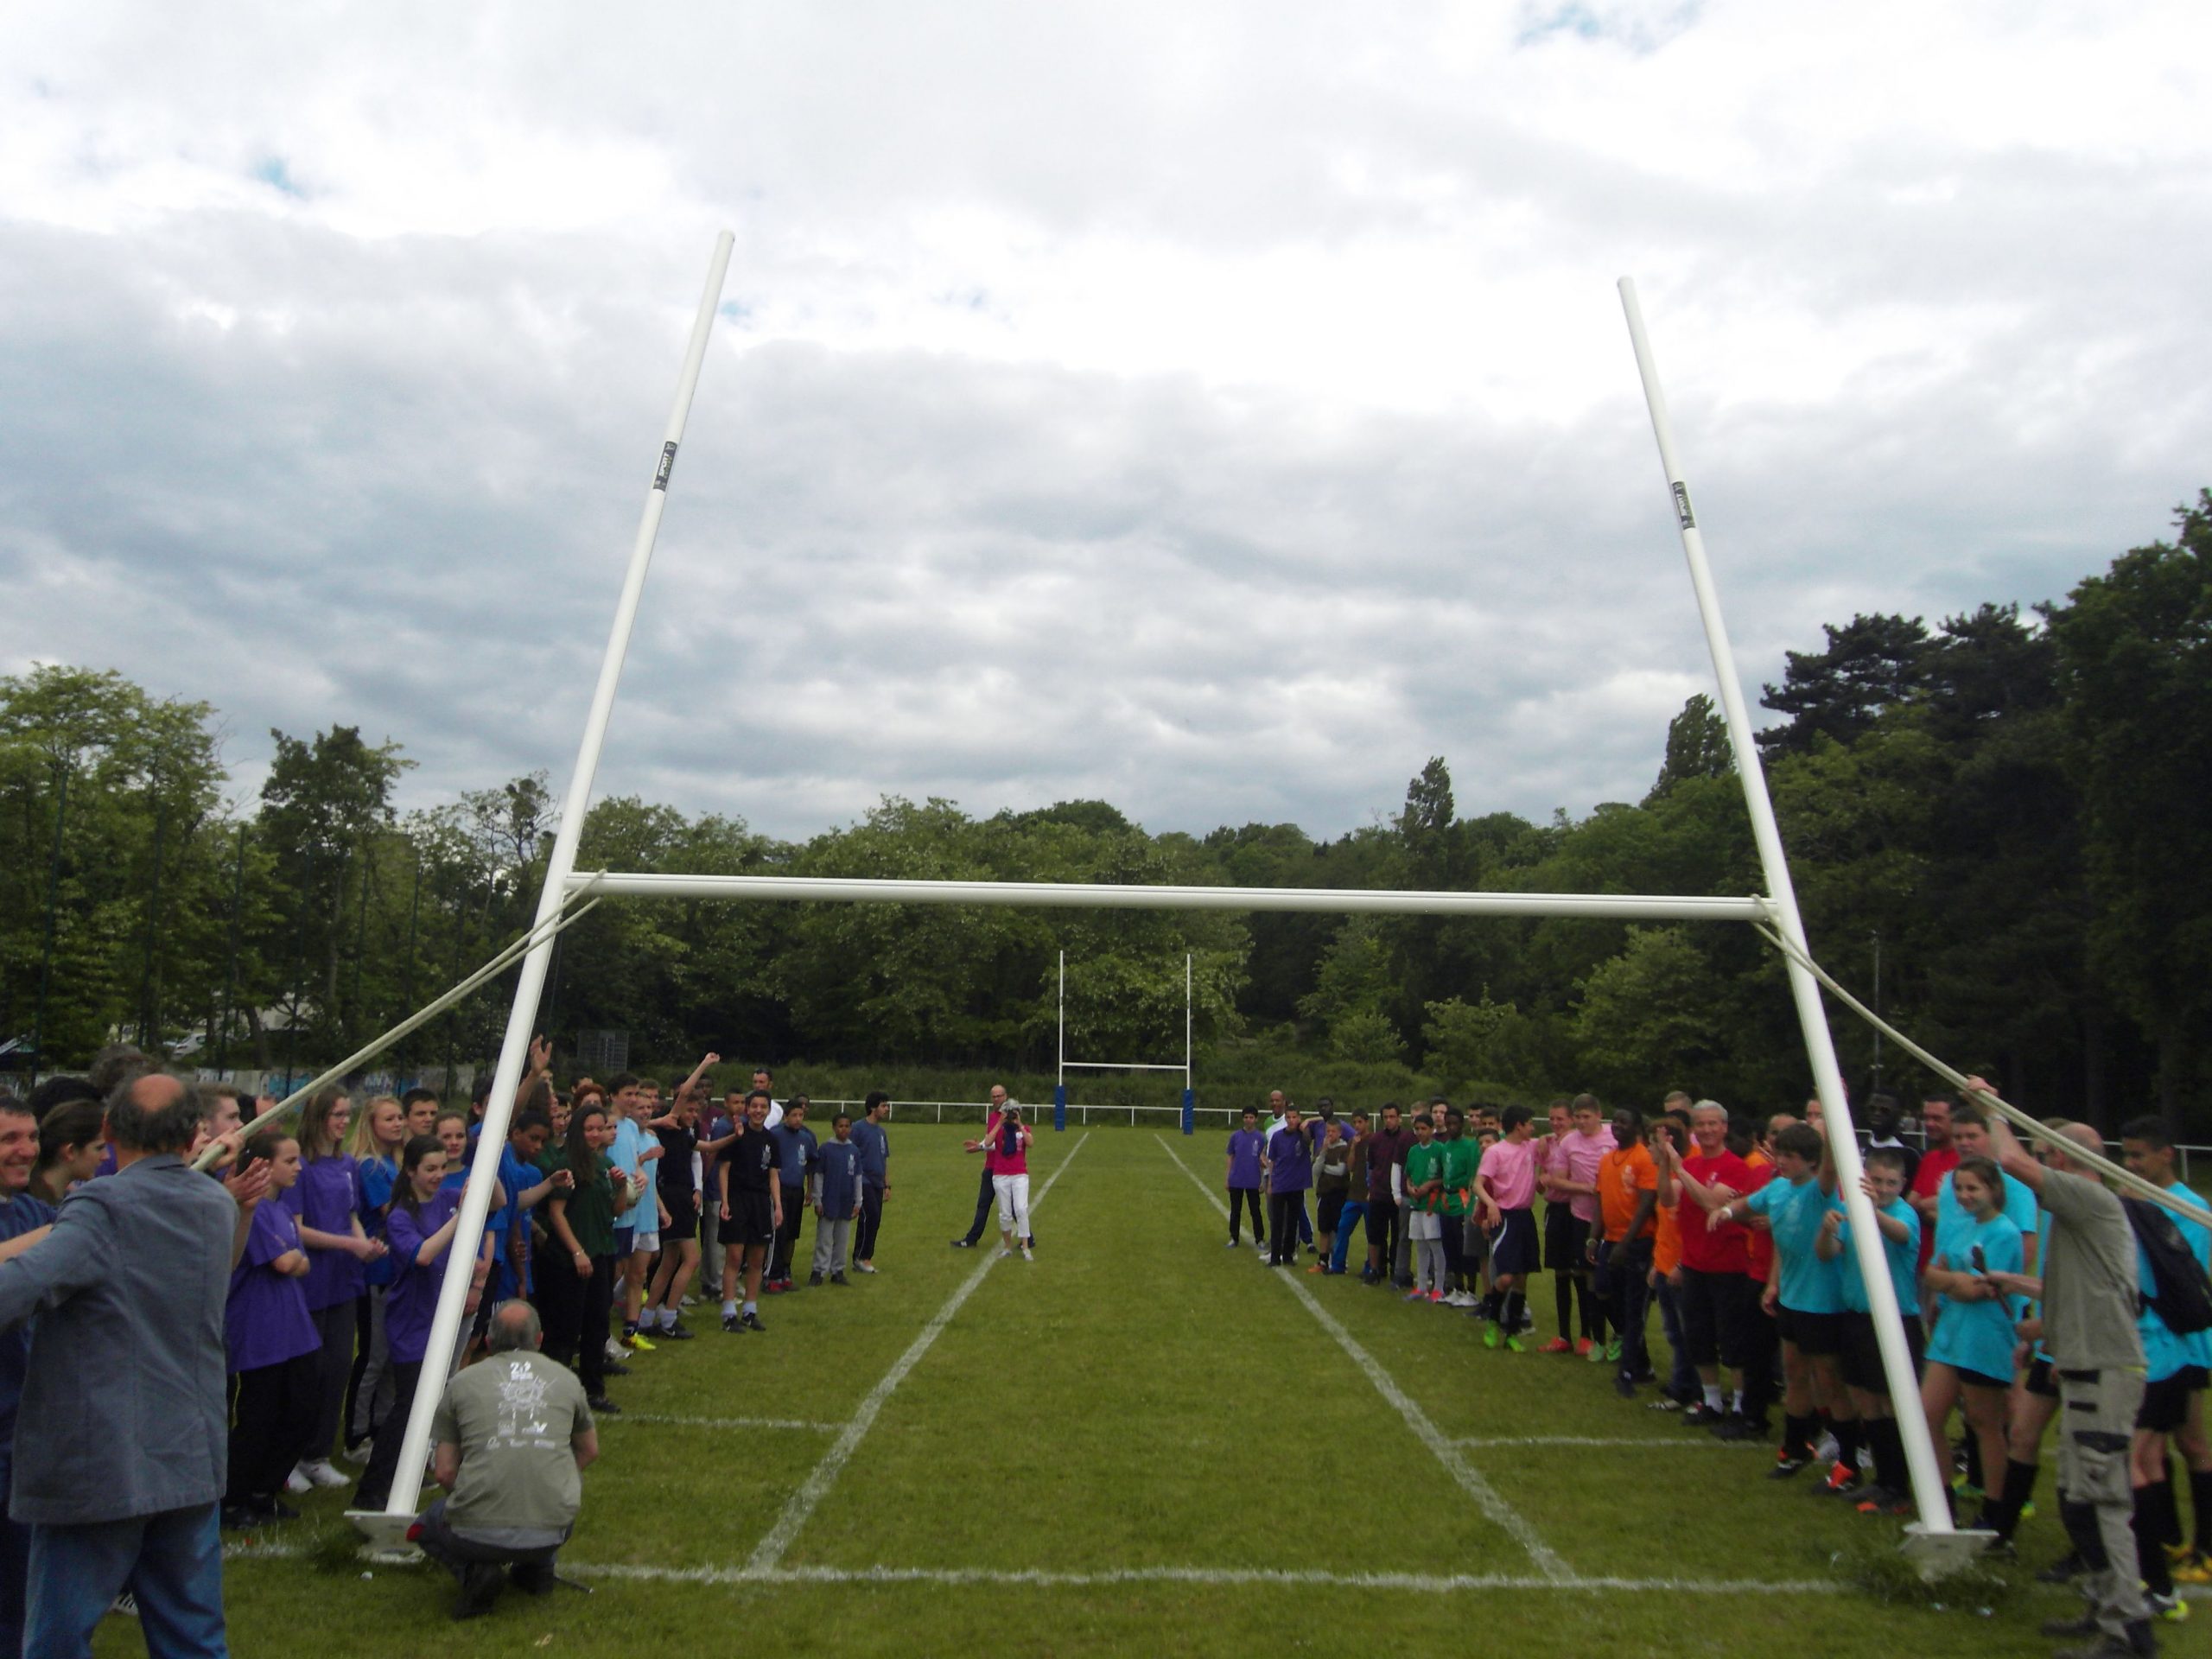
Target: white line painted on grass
[(1680, 1442), (1049, 1578), (655, 1421), (1470, 1478), (768, 1553)]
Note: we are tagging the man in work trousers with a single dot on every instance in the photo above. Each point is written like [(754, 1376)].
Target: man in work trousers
[(119, 1481), (2088, 1291)]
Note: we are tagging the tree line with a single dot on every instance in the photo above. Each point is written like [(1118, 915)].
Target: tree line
[(2001, 823)]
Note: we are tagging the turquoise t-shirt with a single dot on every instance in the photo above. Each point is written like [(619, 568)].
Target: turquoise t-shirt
[(1793, 1211), (2019, 1209), (1978, 1336), (1903, 1260), (2165, 1353)]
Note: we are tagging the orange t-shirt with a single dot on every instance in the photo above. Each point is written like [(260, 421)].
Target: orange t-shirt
[(1667, 1242), (1622, 1174)]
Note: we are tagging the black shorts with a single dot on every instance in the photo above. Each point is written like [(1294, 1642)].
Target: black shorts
[(2195, 1378), (2042, 1381), (683, 1220), (2165, 1404), (1717, 1311), (752, 1220), (1982, 1379), (1862, 1355), (1513, 1244), (1332, 1210), (1566, 1237), (1818, 1336)]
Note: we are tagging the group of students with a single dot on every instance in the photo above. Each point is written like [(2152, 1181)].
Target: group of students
[(1735, 1228), (604, 1195)]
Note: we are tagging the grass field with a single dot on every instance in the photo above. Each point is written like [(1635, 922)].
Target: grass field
[(1141, 1442)]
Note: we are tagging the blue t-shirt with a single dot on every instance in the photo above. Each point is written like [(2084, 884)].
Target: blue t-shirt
[(631, 1141), (1903, 1261), (1793, 1212), (1978, 1336), (1244, 1149), (838, 1163), (2019, 1209), (1292, 1154), (875, 1152), (795, 1146), (18, 1216)]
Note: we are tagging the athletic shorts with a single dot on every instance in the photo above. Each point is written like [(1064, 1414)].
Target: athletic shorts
[(646, 1242), (2195, 1378), (1981, 1379), (682, 1222), (622, 1237), (2165, 1404), (1513, 1244), (1566, 1237), (1717, 1310), (752, 1220), (1332, 1210), (2042, 1381), (1382, 1215), (1817, 1335), (1862, 1355)]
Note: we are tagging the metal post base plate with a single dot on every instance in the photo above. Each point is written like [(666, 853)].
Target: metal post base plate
[(1939, 1555), (383, 1530)]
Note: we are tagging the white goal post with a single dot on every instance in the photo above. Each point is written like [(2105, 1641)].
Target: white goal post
[(1937, 1539)]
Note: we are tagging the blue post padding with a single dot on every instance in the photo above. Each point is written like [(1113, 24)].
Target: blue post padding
[(1060, 1107), (1189, 1126)]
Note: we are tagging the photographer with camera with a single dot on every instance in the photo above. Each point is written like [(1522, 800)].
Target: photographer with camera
[(1006, 1160)]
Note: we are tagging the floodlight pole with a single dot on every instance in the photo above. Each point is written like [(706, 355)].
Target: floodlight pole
[(499, 1108), (1928, 1490)]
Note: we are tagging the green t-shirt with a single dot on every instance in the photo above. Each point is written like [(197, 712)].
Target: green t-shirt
[(590, 1211), (1461, 1159), (1423, 1164), (513, 1416)]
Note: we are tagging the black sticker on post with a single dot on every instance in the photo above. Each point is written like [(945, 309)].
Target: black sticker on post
[(668, 466), (1681, 500)]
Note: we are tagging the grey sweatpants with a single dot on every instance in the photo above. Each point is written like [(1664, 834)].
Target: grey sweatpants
[(2097, 1423), (833, 1244)]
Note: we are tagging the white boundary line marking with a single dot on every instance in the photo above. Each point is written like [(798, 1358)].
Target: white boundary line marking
[(1681, 1442), (768, 1553), (1470, 1478), (1051, 1578), (653, 1420)]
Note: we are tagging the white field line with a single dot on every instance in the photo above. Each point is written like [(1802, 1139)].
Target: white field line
[(768, 1553), (1681, 1442), (1049, 1578), (653, 1420), (1470, 1478)]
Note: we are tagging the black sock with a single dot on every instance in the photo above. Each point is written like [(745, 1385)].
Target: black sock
[(2151, 1564), (1563, 1304), (1847, 1436), (2001, 1514), (1890, 1471), (2200, 1505), (1797, 1437), (1975, 1470), (1510, 1315)]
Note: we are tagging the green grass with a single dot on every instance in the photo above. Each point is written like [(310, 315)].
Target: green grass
[(1139, 1399)]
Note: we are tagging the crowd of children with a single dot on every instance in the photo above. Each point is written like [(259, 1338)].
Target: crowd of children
[(1735, 1228)]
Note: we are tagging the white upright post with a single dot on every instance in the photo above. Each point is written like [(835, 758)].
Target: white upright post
[(484, 1165), (1896, 1364), (1061, 1072)]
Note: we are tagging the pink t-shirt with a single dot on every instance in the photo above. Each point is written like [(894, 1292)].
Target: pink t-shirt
[(1010, 1163), (1584, 1153), (1509, 1172)]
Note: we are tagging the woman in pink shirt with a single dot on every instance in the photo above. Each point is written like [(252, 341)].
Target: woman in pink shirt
[(1007, 1156)]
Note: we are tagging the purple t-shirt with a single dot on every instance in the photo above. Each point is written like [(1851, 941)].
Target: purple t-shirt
[(1245, 1146), (327, 1197), (1292, 1154), (266, 1321), (413, 1300)]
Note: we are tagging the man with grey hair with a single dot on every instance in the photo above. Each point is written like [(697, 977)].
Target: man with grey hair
[(510, 1440), (120, 1482)]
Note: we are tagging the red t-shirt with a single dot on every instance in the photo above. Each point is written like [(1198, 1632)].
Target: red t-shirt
[(1934, 1166), (1704, 1249), (1758, 1247)]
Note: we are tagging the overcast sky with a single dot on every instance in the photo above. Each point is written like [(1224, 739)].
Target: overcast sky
[(1218, 408)]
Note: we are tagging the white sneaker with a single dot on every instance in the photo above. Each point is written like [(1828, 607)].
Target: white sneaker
[(691, 1301), (297, 1483), (1026, 1255), (1827, 1452), (863, 1267), (1004, 1254), (1232, 1243), (127, 1604), (358, 1455), (318, 1471), (616, 1353)]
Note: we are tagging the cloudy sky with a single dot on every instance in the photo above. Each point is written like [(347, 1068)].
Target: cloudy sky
[(1218, 408)]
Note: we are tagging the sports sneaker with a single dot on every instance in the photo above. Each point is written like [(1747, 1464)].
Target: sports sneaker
[(605, 1407), (1415, 1296), (127, 1604), (2193, 1568), (1582, 1347), (1557, 1345), (689, 1301), (616, 1355), (615, 1368), (1436, 1298), (964, 1243), (676, 1334), (1733, 1426), (752, 1322), (1514, 1344), (1232, 1243), (732, 1325), (2067, 1568), (1623, 1387), (358, 1453), (813, 1278), (641, 1343), (1786, 1463), (1317, 1268), (1842, 1481), (1027, 1255), (1613, 1350), (1597, 1353), (1701, 1415), (318, 1471), (297, 1483), (2169, 1607), (840, 1279), (1004, 1253), (1491, 1336), (864, 1267)]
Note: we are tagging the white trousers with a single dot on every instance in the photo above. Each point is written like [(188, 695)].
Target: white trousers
[(1014, 1204)]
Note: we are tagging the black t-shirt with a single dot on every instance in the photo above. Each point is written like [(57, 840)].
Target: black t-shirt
[(674, 1170), (752, 1161)]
